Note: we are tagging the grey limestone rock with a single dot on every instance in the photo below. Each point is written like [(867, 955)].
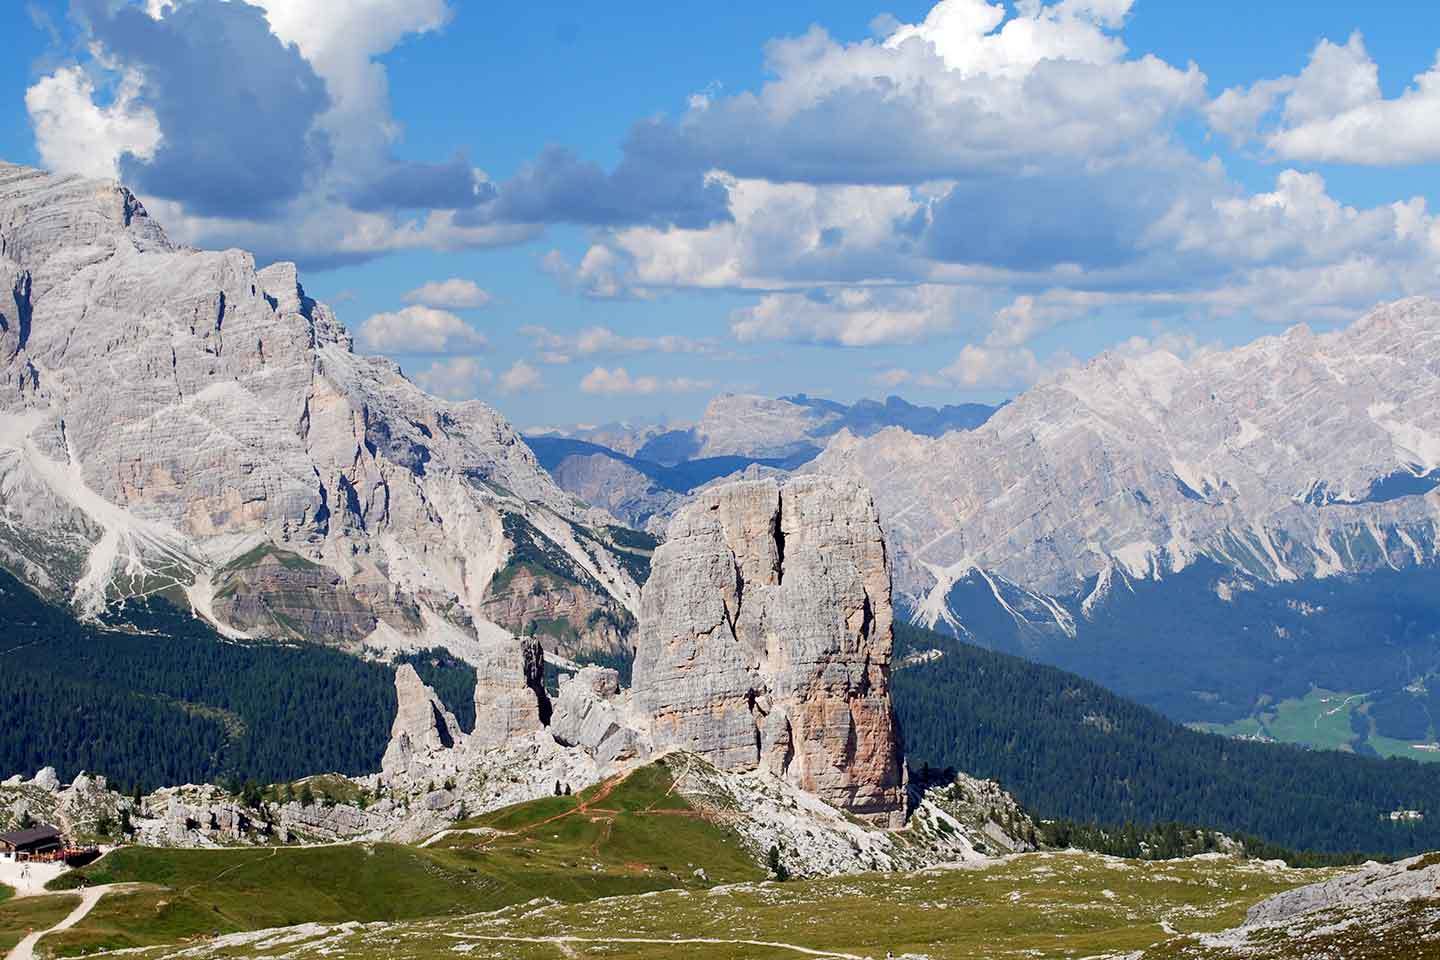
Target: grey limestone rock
[(422, 725), (178, 420), (510, 697), (766, 634), (1299, 455), (1417, 878), (587, 714)]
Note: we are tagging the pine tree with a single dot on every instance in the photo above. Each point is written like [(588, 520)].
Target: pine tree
[(778, 870)]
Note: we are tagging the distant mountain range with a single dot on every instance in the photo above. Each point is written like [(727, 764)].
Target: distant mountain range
[(641, 473), (1247, 537)]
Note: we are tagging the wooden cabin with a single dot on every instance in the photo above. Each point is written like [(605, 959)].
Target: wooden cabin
[(33, 842)]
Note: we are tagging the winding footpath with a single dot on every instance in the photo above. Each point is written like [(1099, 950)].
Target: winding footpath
[(25, 949), (560, 941)]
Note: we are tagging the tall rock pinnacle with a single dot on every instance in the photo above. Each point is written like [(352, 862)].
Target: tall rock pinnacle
[(766, 633)]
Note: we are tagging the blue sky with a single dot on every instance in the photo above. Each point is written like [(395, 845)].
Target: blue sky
[(641, 205)]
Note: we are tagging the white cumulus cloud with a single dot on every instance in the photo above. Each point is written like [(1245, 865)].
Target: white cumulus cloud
[(851, 317), (556, 347), (1334, 111), (618, 382), (76, 135), (520, 378), (452, 294), (456, 378), (416, 330)]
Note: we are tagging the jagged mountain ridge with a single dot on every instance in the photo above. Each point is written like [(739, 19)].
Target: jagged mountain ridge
[(1301, 455), (641, 474), (179, 421), (1209, 536)]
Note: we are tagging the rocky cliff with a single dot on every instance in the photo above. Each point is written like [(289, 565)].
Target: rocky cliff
[(179, 421), (765, 643), (1297, 456), (765, 640)]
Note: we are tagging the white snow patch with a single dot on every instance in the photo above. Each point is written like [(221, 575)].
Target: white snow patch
[(1138, 559)]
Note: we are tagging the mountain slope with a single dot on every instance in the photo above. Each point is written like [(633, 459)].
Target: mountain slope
[(1067, 748), (178, 421), (1297, 465), (1295, 456)]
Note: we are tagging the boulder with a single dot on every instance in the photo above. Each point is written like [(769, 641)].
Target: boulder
[(765, 640), (586, 715)]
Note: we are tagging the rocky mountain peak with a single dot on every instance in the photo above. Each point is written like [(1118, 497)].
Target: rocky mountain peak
[(765, 639), (764, 646), (179, 422), (1297, 455)]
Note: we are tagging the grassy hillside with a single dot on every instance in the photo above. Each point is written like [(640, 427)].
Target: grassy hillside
[(1035, 906), (619, 838), (1068, 748), (19, 917)]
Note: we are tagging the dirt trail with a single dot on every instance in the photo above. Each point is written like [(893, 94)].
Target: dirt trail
[(560, 942), (25, 949), (607, 787)]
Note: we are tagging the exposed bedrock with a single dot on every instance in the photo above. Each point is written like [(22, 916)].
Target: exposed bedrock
[(765, 640)]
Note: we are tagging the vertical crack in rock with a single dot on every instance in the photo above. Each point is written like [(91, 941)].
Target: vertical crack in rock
[(446, 740), (777, 533), (24, 311), (799, 694), (534, 654)]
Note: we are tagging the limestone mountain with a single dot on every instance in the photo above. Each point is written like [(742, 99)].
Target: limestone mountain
[(178, 421), (1195, 513), (766, 636), (764, 647)]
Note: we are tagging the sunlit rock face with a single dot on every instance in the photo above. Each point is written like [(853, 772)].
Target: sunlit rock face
[(1299, 455), (766, 636), (179, 421)]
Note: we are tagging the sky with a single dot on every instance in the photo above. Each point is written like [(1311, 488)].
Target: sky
[(583, 213)]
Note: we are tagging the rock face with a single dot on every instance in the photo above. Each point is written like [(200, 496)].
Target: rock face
[(1302, 455), (510, 697), (765, 640), (181, 421), (422, 724), (1417, 878), (589, 714)]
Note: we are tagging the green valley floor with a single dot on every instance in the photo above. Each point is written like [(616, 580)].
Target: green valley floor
[(1032, 906)]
